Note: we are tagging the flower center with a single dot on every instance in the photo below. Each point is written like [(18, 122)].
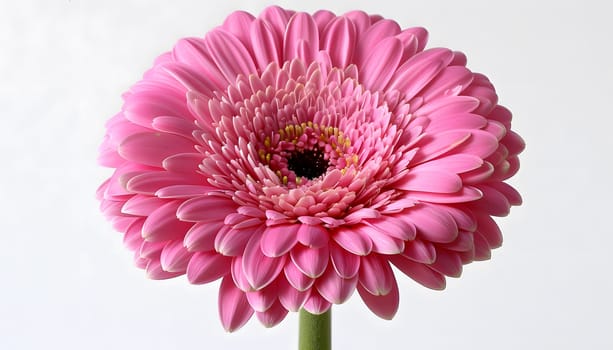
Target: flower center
[(308, 163), (301, 152)]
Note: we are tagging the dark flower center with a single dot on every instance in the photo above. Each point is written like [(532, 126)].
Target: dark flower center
[(308, 163)]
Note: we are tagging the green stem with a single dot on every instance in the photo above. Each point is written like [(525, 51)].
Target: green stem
[(314, 331)]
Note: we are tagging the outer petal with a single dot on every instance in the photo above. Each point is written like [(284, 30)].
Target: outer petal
[(234, 309), (384, 306)]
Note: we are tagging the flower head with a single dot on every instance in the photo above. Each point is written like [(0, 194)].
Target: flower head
[(298, 157)]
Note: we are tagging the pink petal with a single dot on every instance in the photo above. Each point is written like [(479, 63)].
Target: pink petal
[(142, 205), (382, 243), (376, 275), (482, 247), (463, 243), (450, 78), (153, 148), (266, 45), (259, 269), (432, 224), (448, 263), (183, 191), (273, 316), (234, 309), (441, 143), (162, 224), (316, 304), (334, 288), (381, 64), (206, 209), (377, 33), (420, 251), (278, 240), (394, 227), (201, 237), (301, 27), (346, 264), (175, 257), (314, 236), (194, 53), (152, 181), (296, 278), (277, 18), (339, 40), (238, 24), (489, 230), (232, 242), (353, 241), (183, 163), (412, 76), (419, 272), (310, 261), (291, 298), (261, 300), (229, 54), (492, 202), (384, 306), (430, 181), (205, 267), (466, 194), (155, 271), (236, 269), (455, 163)]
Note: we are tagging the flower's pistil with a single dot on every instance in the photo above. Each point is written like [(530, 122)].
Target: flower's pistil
[(301, 152)]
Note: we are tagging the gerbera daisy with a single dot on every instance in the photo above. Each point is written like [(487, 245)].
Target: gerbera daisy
[(297, 157)]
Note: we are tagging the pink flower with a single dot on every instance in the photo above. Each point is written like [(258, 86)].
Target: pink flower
[(298, 157)]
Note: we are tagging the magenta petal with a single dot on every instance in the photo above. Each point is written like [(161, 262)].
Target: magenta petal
[(232, 242), (259, 269), (278, 240), (205, 267), (346, 264), (394, 227), (419, 272), (273, 316), (314, 236), (175, 257), (334, 288), (310, 261), (384, 306), (234, 309), (376, 275), (153, 148)]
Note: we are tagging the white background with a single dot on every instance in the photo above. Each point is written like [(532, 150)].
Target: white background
[(66, 282)]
